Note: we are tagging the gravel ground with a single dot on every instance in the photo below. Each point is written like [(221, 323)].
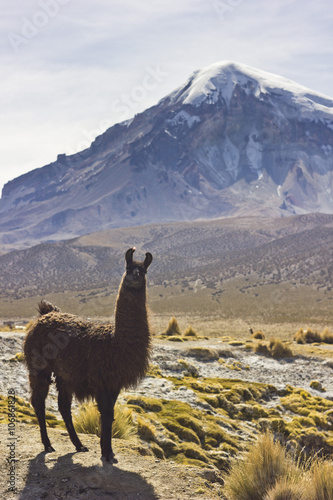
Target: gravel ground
[(297, 372)]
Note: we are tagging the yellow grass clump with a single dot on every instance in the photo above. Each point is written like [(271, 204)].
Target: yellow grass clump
[(276, 349), (172, 328), (268, 472), (87, 421), (308, 336), (190, 332)]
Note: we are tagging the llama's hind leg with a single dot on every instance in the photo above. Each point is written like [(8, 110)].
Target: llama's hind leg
[(39, 389), (64, 404)]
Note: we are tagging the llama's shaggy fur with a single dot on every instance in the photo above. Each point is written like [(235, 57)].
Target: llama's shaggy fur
[(90, 360)]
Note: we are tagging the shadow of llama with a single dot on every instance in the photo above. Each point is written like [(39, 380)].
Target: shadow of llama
[(90, 360)]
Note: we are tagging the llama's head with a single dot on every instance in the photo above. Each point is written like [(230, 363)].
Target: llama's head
[(135, 276)]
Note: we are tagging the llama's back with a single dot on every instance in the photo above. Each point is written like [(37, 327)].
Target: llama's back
[(60, 343)]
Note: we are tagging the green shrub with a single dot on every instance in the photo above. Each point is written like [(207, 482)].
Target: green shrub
[(146, 430), (314, 384), (148, 404)]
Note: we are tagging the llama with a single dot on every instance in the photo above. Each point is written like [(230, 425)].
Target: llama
[(90, 360)]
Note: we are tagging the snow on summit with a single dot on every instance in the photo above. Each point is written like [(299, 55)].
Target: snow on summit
[(207, 84)]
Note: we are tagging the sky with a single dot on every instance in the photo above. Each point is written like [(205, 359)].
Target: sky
[(72, 68)]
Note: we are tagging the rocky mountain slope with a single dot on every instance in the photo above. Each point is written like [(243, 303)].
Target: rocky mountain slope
[(231, 141)]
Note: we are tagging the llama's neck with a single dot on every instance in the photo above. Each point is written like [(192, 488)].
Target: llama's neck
[(131, 318)]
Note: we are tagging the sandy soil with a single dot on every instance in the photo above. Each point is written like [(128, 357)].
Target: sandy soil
[(84, 476)]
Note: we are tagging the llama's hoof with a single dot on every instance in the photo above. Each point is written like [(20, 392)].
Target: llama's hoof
[(49, 449), (82, 448), (112, 459)]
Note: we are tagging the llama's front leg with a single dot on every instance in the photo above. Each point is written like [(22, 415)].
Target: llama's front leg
[(39, 390), (106, 404)]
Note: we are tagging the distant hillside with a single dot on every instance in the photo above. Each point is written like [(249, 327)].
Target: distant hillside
[(208, 261)]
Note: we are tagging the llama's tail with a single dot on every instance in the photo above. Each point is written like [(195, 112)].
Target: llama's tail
[(45, 307)]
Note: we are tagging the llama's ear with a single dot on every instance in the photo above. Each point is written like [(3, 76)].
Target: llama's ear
[(148, 260), (129, 255)]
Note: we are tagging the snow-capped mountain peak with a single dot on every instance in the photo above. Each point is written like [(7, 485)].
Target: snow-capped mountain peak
[(220, 79), (231, 141)]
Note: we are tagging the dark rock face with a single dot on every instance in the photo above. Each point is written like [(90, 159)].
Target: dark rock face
[(231, 141)]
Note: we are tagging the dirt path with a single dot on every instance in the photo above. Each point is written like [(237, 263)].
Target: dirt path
[(83, 476)]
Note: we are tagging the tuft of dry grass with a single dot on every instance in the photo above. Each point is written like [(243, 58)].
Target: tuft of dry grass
[(172, 328), (258, 335), (268, 472), (87, 421), (320, 480), (285, 489), (327, 337), (310, 337), (190, 332), (276, 349), (203, 353), (279, 350), (261, 348), (19, 356), (265, 463)]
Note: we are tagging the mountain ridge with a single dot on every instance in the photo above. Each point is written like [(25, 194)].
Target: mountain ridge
[(243, 149)]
